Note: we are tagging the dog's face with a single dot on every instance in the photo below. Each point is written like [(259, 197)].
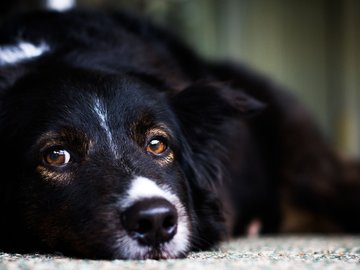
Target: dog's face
[(111, 165), (98, 172)]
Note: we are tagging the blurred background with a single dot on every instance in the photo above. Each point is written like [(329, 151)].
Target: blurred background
[(312, 47)]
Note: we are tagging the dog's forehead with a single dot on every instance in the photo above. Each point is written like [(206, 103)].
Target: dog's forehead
[(86, 100), (123, 100), (67, 89)]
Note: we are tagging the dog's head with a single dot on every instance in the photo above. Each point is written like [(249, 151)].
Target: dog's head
[(109, 165)]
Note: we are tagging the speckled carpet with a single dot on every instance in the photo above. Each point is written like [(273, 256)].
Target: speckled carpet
[(295, 252)]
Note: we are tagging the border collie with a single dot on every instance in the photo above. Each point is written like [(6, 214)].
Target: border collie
[(119, 142)]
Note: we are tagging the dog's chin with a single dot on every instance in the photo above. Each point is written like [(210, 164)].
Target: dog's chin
[(129, 249)]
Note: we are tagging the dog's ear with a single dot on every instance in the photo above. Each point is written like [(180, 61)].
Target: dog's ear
[(207, 113), (206, 106)]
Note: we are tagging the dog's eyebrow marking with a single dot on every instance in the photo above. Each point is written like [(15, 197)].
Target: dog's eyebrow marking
[(103, 118), (12, 54)]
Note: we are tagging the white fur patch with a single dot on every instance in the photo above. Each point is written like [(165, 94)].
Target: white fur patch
[(20, 52), (102, 114), (143, 188), (60, 5)]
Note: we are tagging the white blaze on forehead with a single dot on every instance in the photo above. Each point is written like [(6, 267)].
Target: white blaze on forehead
[(102, 114), (143, 188), (12, 54)]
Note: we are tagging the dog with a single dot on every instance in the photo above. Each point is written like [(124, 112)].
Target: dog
[(119, 142)]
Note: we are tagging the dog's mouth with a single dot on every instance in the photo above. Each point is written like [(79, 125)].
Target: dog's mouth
[(161, 254)]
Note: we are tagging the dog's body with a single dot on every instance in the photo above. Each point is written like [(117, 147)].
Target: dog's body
[(119, 142)]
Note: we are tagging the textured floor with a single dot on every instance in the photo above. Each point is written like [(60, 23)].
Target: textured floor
[(256, 253)]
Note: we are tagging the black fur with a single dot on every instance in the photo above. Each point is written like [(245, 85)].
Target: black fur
[(243, 149)]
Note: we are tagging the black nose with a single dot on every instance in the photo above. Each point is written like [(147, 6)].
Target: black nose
[(151, 221)]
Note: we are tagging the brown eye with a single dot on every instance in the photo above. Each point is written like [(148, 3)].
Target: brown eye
[(57, 157), (156, 147)]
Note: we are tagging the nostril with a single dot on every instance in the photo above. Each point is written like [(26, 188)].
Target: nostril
[(169, 222), (169, 227), (143, 226), (151, 221)]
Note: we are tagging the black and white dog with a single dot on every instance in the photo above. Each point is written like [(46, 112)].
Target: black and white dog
[(118, 142)]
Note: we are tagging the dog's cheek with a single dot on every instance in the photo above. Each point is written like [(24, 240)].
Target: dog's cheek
[(45, 214), (65, 219)]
